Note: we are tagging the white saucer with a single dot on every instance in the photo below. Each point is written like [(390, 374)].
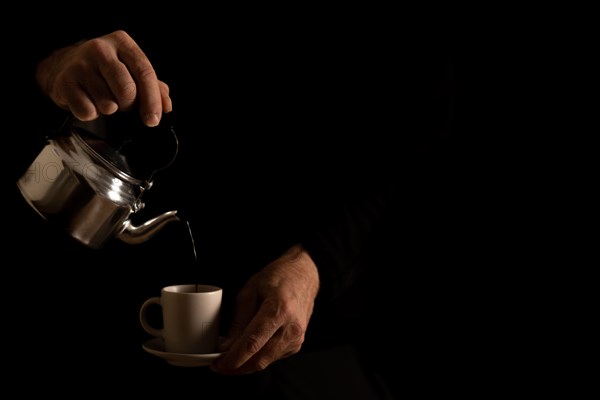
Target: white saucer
[(156, 346)]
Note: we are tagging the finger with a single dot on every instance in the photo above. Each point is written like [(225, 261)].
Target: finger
[(148, 89), (284, 343), (120, 83), (71, 96), (101, 95), (245, 309), (258, 332), (110, 72), (167, 104)]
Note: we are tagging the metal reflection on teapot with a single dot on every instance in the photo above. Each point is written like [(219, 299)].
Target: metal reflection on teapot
[(89, 179)]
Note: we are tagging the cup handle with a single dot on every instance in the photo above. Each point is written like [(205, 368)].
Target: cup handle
[(144, 321)]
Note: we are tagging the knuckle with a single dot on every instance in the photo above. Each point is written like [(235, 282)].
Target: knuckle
[(293, 334), (127, 92), (271, 307), (253, 344), (277, 309), (286, 310), (120, 36), (96, 44), (144, 70)]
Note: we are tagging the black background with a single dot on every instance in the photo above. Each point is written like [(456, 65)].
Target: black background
[(442, 301)]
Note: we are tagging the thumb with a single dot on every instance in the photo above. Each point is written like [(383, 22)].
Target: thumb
[(245, 309)]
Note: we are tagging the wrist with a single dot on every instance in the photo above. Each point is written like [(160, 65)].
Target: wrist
[(303, 258)]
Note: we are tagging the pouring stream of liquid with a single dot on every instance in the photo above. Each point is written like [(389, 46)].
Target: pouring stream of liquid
[(193, 246)]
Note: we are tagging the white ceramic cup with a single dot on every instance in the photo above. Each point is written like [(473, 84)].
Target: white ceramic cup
[(190, 316)]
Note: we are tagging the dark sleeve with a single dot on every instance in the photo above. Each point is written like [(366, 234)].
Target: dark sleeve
[(396, 140), (338, 242)]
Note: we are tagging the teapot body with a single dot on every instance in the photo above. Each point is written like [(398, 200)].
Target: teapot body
[(69, 185)]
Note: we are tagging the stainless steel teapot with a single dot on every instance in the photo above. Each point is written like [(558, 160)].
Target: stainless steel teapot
[(82, 179)]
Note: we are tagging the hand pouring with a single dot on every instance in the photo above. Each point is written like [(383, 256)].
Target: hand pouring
[(90, 176)]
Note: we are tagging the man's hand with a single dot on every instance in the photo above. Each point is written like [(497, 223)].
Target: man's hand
[(272, 314), (103, 75)]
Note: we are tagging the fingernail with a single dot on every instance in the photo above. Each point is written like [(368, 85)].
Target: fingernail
[(152, 120)]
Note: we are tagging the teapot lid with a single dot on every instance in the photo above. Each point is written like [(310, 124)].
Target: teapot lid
[(124, 142)]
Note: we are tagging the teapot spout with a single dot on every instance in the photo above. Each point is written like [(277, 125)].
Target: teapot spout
[(139, 234)]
